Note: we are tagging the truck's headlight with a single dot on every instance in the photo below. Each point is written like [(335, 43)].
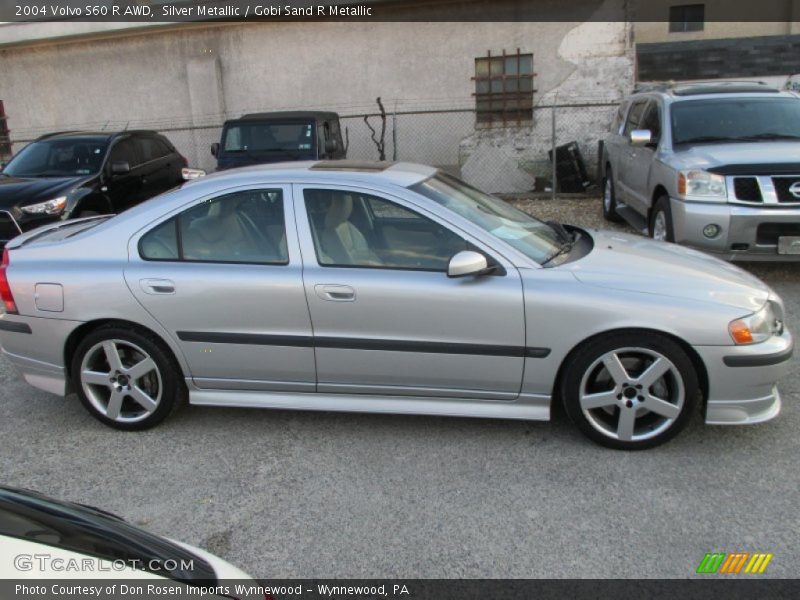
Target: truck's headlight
[(51, 207), (758, 327), (701, 184)]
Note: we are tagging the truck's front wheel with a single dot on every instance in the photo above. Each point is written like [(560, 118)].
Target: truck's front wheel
[(661, 221)]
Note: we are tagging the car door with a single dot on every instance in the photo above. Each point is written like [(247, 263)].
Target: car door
[(224, 278), (641, 158), (157, 172), (124, 189), (626, 177), (386, 317)]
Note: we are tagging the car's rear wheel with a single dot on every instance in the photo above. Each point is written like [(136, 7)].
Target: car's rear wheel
[(126, 378), (630, 391), (661, 221), (610, 199)]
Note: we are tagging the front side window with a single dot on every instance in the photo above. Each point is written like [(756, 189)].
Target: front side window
[(535, 239), (652, 121), (351, 229), (125, 151), (58, 158), (735, 120), (635, 115), (243, 227)]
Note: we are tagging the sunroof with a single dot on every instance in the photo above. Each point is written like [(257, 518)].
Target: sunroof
[(351, 165)]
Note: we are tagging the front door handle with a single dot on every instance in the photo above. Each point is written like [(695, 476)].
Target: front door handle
[(157, 286), (335, 293)]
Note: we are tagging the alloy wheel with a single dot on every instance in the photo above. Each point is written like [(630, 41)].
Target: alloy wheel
[(632, 394), (660, 227), (121, 381)]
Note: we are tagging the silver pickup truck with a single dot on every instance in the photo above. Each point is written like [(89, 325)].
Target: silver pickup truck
[(711, 165)]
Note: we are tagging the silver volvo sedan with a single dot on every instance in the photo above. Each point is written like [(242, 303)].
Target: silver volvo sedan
[(387, 288)]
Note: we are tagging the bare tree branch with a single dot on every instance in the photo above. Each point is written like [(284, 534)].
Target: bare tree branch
[(380, 144)]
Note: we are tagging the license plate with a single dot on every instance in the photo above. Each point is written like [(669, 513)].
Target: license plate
[(789, 244)]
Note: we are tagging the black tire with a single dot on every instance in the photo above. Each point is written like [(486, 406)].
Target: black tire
[(586, 376), (663, 210), (610, 199), (163, 384)]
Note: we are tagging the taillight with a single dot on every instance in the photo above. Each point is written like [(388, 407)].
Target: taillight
[(5, 288)]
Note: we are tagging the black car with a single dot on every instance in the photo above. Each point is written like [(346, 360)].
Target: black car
[(79, 174), (279, 136)]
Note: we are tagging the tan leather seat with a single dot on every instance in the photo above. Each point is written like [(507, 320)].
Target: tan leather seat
[(340, 239)]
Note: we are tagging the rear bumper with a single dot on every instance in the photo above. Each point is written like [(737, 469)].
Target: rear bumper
[(739, 238), (742, 380), (35, 347)]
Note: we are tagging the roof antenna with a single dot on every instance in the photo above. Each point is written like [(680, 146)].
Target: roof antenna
[(126, 126)]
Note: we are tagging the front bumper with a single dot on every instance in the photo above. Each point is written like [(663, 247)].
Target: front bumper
[(739, 238), (742, 380)]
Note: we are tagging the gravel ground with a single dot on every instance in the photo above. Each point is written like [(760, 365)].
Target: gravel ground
[(294, 494)]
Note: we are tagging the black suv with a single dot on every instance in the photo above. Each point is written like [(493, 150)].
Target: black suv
[(79, 174), (277, 137)]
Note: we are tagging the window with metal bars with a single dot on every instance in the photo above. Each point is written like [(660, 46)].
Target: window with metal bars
[(504, 89), (687, 17)]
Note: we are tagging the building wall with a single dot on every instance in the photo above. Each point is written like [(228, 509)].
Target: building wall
[(197, 75)]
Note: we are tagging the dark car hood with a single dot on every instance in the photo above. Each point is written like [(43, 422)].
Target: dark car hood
[(21, 191)]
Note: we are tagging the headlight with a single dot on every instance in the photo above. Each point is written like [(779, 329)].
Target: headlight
[(701, 184), (758, 327), (51, 207)]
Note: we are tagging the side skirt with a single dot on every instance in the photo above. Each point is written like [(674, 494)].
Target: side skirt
[(526, 406)]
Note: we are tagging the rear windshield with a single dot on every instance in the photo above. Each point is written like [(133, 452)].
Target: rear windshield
[(269, 137), (735, 120)]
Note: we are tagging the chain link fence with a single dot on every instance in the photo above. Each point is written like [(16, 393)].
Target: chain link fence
[(514, 158)]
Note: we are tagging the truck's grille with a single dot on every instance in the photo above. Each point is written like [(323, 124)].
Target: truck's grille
[(767, 234), (784, 186), (8, 227), (747, 189)]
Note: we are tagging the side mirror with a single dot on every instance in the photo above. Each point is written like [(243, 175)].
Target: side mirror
[(331, 146), (215, 149), (467, 263), (641, 137), (120, 167), (3, 165)]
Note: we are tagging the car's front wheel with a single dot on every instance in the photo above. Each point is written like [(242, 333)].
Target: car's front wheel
[(126, 378), (630, 391)]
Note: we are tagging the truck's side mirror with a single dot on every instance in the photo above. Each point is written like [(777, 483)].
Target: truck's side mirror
[(641, 137), (215, 149), (331, 146)]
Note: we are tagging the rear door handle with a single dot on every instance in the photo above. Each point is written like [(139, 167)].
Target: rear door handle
[(335, 292), (157, 286)]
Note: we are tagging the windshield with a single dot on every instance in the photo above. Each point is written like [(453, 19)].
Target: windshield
[(530, 236), (735, 119), (269, 137), (58, 158)]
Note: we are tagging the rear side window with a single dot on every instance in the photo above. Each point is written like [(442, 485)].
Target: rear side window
[(151, 148), (619, 117), (243, 227)]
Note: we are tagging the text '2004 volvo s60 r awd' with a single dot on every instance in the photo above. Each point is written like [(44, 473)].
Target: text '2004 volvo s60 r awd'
[(389, 288)]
